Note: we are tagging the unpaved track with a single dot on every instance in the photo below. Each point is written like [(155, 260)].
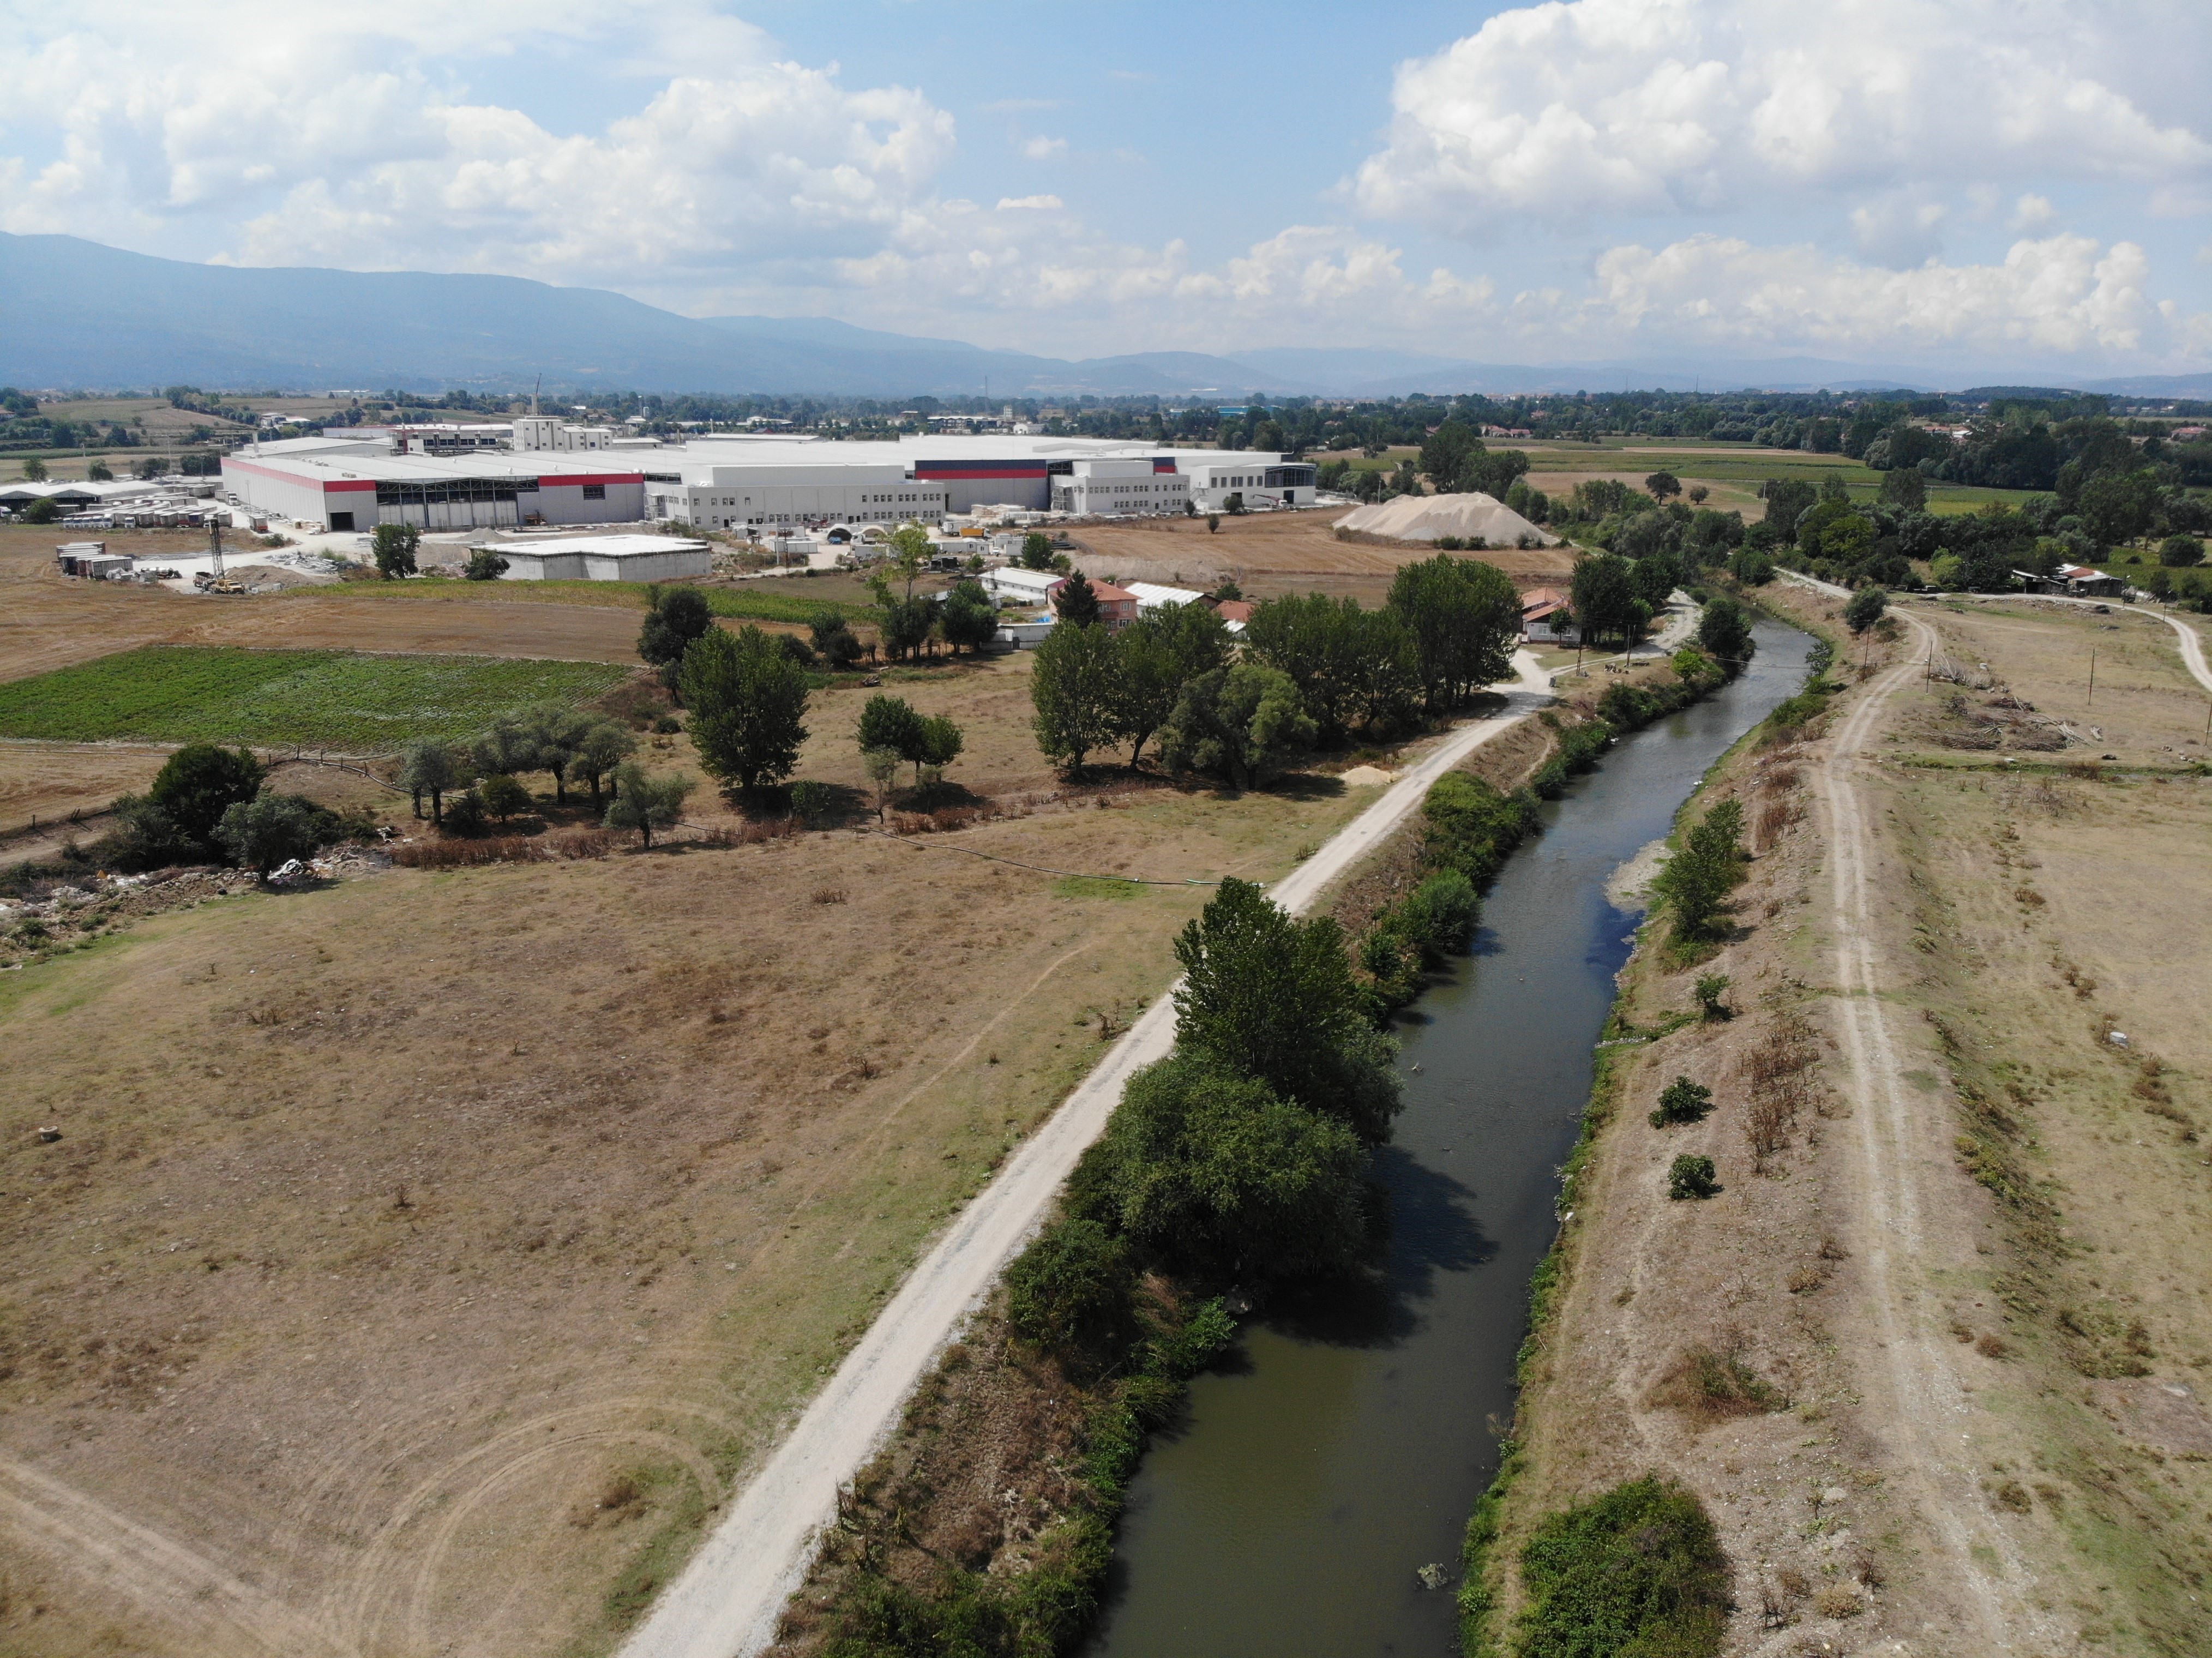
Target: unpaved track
[(2193, 642), (1903, 1171), (727, 1600)]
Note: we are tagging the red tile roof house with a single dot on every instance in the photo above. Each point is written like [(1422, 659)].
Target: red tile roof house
[(1542, 612), (1117, 606)]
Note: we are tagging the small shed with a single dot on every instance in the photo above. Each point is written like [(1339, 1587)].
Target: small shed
[(603, 558)]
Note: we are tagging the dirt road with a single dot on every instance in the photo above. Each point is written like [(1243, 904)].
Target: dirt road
[(728, 1598), (1906, 1168)]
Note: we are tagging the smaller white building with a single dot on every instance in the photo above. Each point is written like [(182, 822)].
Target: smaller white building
[(1261, 480), (1012, 584), (549, 433), (603, 558), (1151, 595), (1095, 488)]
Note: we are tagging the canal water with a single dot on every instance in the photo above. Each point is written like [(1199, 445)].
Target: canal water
[(1339, 1449)]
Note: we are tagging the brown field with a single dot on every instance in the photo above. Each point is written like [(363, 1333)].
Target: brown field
[(2032, 1261), (424, 1255), (1271, 553)]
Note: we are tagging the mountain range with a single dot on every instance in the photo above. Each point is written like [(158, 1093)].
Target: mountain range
[(75, 313)]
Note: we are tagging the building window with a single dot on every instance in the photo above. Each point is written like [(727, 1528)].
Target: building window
[(595, 492)]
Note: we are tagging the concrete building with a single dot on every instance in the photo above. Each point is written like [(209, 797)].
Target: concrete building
[(1262, 480), (1151, 595), (1015, 585), (345, 484), (602, 558), (1144, 486), (549, 435)]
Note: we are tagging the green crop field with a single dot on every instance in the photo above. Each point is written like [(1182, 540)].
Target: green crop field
[(740, 604), (317, 699)]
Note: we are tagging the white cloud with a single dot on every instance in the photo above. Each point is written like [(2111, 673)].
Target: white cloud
[(2063, 296), (1897, 232), (1043, 149), (1041, 202), (2033, 212), (1585, 107)]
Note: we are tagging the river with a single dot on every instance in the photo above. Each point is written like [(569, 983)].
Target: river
[(1341, 1446)]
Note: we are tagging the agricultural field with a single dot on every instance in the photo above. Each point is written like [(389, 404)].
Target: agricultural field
[(695, 1111), (315, 699), (792, 601), (1270, 553)]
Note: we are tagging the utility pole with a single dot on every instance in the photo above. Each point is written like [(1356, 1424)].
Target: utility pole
[(215, 543), (2092, 676)]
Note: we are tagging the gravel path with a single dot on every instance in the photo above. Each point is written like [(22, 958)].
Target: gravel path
[(727, 1600)]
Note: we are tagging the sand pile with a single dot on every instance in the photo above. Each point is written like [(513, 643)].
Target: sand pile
[(1425, 518)]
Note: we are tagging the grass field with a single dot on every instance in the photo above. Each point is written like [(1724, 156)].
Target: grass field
[(181, 693), (754, 602)]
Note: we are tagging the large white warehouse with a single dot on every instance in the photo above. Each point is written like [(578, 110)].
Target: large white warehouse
[(346, 483)]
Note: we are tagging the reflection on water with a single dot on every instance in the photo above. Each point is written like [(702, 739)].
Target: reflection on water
[(1341, 1448)]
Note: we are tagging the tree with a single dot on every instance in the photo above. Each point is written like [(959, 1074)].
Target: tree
[(1905, 490), (1076, 604), (1752, 567), (2180, 552), (674, 616), (1698, 878), (1710, 987), (555, 731), (1724, 632), (148, 469), (1865, 608), (882, 766), (1148, 679), (644, 803), (201, 783), (1213, 524), (1664, 485), (45, 510), (429, 768), (484, 565), (1603, 597), (906, 555), (1697, 493), (892, 723), (34, 470), (1243, 724), (506, 746), (603, 746), (1787, 499), (392, 546), (1075, 690), (1271, 997), (1352, 667), (1464, 618), (1213, 1172), (834, 639), (1036, 552), (748, 704), (99, 472), (1682, 1101), (272, 829), (968, 617), (504, 797), (940, 745)]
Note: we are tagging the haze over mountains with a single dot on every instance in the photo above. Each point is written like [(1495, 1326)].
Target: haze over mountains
[(76, 313)]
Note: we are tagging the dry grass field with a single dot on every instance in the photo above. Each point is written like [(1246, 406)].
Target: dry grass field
[(1267, 554), (424, 1255), (1960, 1400)]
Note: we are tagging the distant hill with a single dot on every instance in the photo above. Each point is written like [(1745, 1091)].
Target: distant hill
[(76, 313)]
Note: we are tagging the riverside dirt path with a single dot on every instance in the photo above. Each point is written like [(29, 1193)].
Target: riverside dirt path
[(1904, 1177), (726, 1602)]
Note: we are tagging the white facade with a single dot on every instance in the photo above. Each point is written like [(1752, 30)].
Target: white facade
[(550, 434), (1263, 480), (1022, 587), (1092, 489), (779, 488), (335, 486), (603, 558)]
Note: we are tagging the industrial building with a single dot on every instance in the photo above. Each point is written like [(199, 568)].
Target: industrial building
[(356, 483), (755, 484), (602, 558)]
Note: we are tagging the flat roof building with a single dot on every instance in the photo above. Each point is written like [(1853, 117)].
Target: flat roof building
[(346, 486), (602, 558)]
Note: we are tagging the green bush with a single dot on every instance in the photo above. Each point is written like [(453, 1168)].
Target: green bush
[(1682, 1101), (1712, 987), (1441, 914), (812, 802), (465, 813), (1635, 1573), (1068, 1292), (1865, 608), (1690, 1176), (1469, 827), (505, 796)]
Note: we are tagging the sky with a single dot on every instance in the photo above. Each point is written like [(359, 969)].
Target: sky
[(2007, 188)]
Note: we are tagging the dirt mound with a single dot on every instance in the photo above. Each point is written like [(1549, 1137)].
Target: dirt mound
[(1474, 518)]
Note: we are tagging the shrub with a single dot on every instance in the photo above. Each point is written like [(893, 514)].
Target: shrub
[(1469, 827), (674, 617), (667, 726), (504, 796), (1068, 1292), (274, 828), (1683, 1101), (199, 783), (1440, 916), (812, 802), (1712, 987), (1691, 1176), (465, 813), (1637, 1570), (484, 565)]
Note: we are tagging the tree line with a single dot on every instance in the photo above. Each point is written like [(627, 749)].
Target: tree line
[(1312, 671)]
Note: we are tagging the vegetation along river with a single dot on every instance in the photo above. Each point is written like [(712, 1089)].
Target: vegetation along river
[(1340, 1448)]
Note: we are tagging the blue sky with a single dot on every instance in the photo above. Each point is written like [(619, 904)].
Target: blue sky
[(1968, 185)]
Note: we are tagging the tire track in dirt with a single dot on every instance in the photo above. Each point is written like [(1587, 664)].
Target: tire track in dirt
[(202, 1606), (1900, 1162)]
